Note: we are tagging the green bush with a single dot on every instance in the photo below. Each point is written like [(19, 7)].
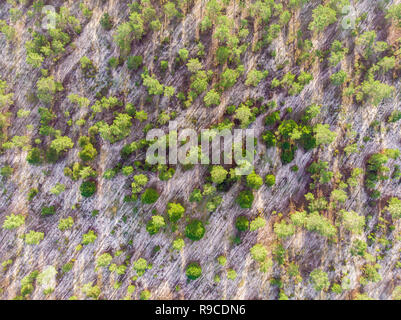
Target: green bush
[(106, 22), (57, 189), (270, 139), (254, 181), (287, 152), (338, 78), (6, 171), (104, 260), (231, 274), (88, 189), (184, 54), (88, 153), (245, 199), (212, 98), (196, 196), (270, 180), (242, 223), (222, 54), (258, 223), (91, 291), (258, 252), (163, 65), (61, 144), (145, 295), (175, 211), (218, 174), (394, 13), (273, 118), (134, 62), (222, 260), (319, 279), (13, 221), (178, 244), (284, 230), (127, 171), (140, 266), (48, 211), (34, 156), (47, 88), (255, 76), (118, 130), (33, 237), (65, 224), (113, 62), (155, 224), (394, 208), (32, 193), (149, 196), (322, 18), (194, 271), (195, 230), (89, 237)]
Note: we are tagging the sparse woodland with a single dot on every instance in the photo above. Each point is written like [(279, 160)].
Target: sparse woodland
[(83, 215)]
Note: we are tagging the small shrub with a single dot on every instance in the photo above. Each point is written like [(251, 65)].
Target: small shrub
[(106, 22), (48, 211), (134, 62), (13, 221), (89, 237), (242, 223)]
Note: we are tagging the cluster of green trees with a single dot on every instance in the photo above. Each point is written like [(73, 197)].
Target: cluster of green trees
[(47, 87), (294, 84), (289, 132), (7, 30), (155, 87), (209, 196), (283, 132), (6, 100), (88, 152), (377, 171), (369, 90), (13, 221), (117, 131), (87, 67), (143, 17), (52, 43), (323, 16)]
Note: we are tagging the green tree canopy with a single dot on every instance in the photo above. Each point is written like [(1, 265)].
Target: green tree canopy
[(175, 211), (194, 271), (218, 174), (195, 230), (155, 224), (259, 252)]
